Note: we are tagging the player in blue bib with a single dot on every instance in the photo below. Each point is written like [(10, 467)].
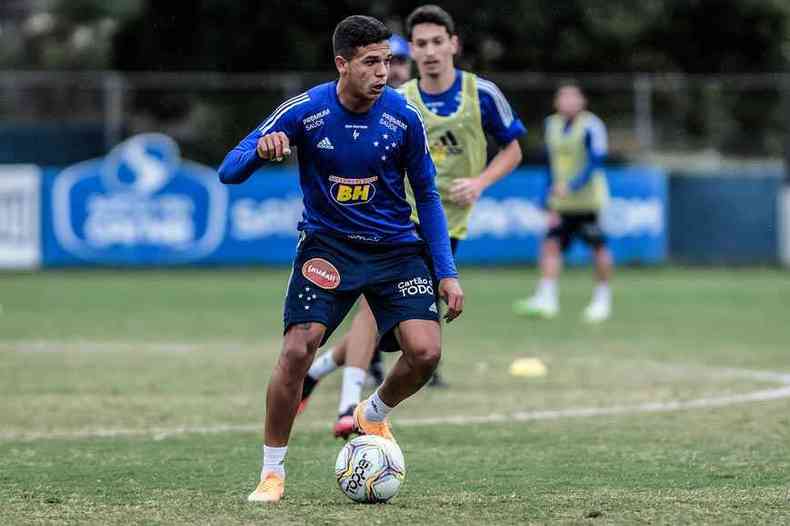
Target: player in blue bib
[(357, 141)]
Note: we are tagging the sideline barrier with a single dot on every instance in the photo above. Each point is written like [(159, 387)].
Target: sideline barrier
[(144, 206)]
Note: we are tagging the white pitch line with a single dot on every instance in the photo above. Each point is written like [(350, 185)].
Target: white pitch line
[(159, 433)]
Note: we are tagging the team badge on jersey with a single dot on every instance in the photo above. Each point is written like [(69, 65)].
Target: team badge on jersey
[(321, 273), (350, 192)]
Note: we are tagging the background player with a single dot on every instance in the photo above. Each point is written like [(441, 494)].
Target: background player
[(357, 141), (576, 144), (459, 109), (400, 66)]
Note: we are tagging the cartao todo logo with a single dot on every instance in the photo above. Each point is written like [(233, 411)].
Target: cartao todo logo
[(142, 203), (416, 286)]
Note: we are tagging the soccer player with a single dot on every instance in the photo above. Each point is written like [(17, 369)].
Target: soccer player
[(576, 144), (400, 66), (459, 109), (358, 140)]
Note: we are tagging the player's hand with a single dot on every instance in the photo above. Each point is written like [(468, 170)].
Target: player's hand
[(465, 192), (450, 291), (560, 190), (273, 147)]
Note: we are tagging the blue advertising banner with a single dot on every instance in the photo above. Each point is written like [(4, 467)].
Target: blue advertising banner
[(143, 205)]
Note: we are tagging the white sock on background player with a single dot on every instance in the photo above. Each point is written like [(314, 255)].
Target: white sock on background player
[(602, 293), (322, 366), (547, 290), (376, 410), (274, 461), (351, 393)]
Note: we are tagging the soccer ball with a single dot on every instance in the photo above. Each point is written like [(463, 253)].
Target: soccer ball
[(370, 469)]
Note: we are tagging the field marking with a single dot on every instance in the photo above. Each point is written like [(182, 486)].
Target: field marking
[(764, 395)]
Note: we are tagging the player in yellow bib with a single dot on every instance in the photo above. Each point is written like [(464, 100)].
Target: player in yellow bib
[(459, 109), (576, 145)]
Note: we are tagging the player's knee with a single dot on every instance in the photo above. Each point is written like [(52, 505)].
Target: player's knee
[(426, 356), (297, 355)]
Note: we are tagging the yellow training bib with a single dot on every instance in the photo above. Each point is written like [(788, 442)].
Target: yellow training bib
[(457, 144)]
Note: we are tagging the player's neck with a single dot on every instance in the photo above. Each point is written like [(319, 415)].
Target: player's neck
[(435, 84), (350, 101)]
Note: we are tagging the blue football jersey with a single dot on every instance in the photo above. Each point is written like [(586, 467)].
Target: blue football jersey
[(352, 168)]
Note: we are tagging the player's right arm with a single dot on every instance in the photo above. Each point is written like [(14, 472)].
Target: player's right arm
[(271, 141)]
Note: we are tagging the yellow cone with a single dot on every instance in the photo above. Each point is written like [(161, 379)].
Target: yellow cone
[(528, 368)]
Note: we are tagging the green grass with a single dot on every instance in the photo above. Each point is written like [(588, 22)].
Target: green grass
[(142, 355)]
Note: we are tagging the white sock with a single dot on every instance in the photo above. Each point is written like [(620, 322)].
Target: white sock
[(375, 409), (547, 289), (274, 461), (353, 380), (322, 366), (602, 293)]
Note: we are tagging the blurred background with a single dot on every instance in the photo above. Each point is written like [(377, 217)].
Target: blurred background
[(695, 95)]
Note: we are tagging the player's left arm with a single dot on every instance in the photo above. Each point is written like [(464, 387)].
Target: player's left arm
[(501, 122), (422, 174), (595, 143)]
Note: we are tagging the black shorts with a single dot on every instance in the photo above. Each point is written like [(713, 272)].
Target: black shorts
[(388, 342), (329, 274), (584, 226)]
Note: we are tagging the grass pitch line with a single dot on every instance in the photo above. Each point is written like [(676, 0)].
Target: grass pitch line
[(764, 395)]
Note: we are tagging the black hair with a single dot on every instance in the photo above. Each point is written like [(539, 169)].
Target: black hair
[(357, 31), (430, 14)]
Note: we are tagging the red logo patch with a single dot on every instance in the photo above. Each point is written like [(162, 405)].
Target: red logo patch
[(322, 273)]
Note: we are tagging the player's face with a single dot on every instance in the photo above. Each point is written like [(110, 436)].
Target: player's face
[(366, 74), (432, 48), (400, 71), (569, 101)]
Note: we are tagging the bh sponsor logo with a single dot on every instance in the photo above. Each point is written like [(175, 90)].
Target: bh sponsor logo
[(321, 273), (416, 287), (141, 204), (351, 192)]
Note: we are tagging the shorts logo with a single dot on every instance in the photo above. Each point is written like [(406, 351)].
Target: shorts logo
[(416, 286), (322, 273), (350, 192)]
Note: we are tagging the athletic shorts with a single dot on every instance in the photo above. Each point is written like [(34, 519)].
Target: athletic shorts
[(329, 274), (583, 226), (388, 342)]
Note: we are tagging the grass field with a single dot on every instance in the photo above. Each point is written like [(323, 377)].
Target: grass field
[(135, 398)]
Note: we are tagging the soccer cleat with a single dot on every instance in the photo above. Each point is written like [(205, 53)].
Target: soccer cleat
[(307, 389), (597, 312), (536, 307), (270, 489), (344, 427), (363, 426)]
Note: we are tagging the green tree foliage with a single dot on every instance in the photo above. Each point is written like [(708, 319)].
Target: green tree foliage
[(694, 36)]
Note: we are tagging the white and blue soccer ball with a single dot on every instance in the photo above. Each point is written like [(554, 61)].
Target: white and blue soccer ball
[(370, 469)]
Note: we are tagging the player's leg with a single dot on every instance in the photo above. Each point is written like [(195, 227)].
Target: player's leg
[(360, 344), (544, 302), (600, 306), (322, 289), (323, 365), (420, 341), (282, 397), (404, 304)]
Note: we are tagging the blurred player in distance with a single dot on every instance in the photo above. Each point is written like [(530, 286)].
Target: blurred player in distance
[(400, 66), (358, 140), (576, 143), (459, 109)]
